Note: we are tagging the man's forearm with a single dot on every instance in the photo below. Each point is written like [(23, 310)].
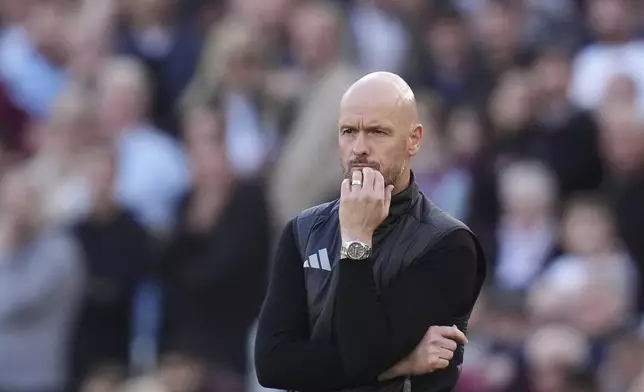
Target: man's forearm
[(402, 368)]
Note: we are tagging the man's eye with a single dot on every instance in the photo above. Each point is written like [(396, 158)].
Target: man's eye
[(348, 131)]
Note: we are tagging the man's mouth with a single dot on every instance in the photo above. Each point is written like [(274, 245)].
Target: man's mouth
[(360, 166)]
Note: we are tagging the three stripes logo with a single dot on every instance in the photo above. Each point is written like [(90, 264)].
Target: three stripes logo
[(319, 260)]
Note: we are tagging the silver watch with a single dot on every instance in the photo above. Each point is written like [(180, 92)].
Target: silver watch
[(355, 250)]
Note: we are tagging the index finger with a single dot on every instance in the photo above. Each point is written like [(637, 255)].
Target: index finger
[(453, 333), (345, 188)]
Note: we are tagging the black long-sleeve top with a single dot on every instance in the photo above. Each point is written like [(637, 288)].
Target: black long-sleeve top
[(374, 329)]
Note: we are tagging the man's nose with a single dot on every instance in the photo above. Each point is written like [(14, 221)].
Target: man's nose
[(360, 145)]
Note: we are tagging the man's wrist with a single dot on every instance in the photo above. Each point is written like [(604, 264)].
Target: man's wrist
[(365, 238)]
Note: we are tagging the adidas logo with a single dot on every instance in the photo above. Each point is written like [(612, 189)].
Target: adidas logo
[(319, 260)]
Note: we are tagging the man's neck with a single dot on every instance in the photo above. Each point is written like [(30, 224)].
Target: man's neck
[(402, 182)]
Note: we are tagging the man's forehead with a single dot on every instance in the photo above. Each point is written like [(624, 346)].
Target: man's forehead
[(375, 96)]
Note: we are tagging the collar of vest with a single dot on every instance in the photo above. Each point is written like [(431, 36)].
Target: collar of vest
[(402, 202)]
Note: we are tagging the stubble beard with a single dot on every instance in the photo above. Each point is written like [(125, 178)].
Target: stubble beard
[(391, 174)]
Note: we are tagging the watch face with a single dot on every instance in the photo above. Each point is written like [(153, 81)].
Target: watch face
[(356, 250)]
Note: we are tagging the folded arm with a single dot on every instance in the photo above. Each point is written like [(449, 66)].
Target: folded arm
[(377, 330)]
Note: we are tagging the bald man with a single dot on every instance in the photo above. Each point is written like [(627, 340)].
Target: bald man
[(373, 291)]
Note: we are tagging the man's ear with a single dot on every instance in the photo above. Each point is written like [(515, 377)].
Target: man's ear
[(415, 138)]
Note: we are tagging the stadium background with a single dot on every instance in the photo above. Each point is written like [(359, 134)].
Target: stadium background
[(111, 111)]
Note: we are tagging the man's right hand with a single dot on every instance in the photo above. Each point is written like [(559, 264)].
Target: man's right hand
[(436, 349), (434, 352)]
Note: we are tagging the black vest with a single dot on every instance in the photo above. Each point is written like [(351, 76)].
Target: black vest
[(413, 226)]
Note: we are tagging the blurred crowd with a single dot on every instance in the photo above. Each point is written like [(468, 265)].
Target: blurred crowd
[(151, 150)]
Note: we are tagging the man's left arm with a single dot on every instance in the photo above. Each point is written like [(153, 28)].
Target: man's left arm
[(377, 330)]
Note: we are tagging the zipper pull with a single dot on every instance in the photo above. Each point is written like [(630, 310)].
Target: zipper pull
[(407, 385)]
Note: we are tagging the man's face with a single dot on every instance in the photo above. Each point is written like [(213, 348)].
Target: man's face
[(377, 134)]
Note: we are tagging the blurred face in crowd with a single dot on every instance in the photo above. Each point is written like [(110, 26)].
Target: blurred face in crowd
[(379, 126), (552, 74), (588, 229), (448, 42), (527, 192), (243, 68), (550, 352), (510, 105), (499, 27), (314, 35), (611, 19), (622, 137), (122, 96), (205, 139), (465, 133)]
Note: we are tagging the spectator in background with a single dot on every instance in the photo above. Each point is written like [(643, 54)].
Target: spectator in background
[(153, 171), (267, 20), (117, 257), (616, 50), (303, 176), (41, 282), (510, 112), (622, 146), (446, 62), (563, 137), (591, 250), (527, 233), (251, 135), (505, 81), (382, 42), (498, 31), (214, 277), (59, 156), (439, 173), (168, 46), (554, 352)]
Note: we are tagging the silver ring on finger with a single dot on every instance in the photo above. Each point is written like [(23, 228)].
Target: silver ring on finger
[(356, 182)]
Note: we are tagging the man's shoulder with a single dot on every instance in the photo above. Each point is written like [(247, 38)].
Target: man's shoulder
[(434, 218), (323, 210), (305, 221)]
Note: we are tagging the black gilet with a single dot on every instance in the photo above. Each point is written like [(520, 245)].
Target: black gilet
[(413, 226)]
